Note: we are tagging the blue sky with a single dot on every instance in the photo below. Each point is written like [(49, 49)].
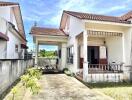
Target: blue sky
[(47, 13)]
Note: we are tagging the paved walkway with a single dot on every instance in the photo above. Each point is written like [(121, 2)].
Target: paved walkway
[(62, 87)]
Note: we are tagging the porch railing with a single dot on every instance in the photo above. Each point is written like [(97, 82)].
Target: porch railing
[(105, 68)]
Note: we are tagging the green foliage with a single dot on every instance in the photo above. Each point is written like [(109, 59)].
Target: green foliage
[(14, 90), (30, 80), (44, 53), (68, 72), (32, 72), (25, 79), (65, 69)]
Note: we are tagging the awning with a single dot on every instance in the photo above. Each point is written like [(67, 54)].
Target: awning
[(4, 37), (24, 46), (103, 33)]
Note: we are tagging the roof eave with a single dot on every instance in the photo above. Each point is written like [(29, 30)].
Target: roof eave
[(48, 35), (61, 20), (107, 22), (2, 3), (19, 23), (13, 27)]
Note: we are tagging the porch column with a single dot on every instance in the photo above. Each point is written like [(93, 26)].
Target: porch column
[(75, 58), (85, 58), (63, 56), (36, 53), (123, 48), (59, 58)]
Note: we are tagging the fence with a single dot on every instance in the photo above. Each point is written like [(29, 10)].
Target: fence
[(11, 70), (105, 68), (105, 73)]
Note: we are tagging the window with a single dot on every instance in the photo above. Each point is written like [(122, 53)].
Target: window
[(0, 66), (16, 48), (70, 55)]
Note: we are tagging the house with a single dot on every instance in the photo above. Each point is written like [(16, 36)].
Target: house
[(12, 34), (94, 47)]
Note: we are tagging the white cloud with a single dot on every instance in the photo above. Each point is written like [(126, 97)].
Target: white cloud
[(73, 5), (90, 6), (31, 18), (44, 13), (111, 9)]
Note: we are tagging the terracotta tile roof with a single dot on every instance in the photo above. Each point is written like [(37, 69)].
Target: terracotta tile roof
[(47, 31), (87, 16), (127, 16), (3, 3)]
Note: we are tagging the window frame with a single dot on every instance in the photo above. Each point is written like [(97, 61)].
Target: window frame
[(16, 48), (70, 54)]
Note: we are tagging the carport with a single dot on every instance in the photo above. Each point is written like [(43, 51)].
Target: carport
[(50, 36)]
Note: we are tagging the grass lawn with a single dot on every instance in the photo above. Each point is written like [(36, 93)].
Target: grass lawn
[(118, 91)]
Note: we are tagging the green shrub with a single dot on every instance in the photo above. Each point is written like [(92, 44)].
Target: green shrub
[(65, 69), (14, 91), (68, 72), (30, 80), (33, 72)]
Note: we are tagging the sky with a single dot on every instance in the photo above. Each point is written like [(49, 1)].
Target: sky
[(47, 13)]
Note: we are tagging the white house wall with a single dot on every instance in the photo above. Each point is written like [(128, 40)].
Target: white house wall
[(76, 26), (3, 25), (2, 49), (5, 13), (12, 19), (128, 46), (105, 27), (8, 14), (13, 40), (115, 49)]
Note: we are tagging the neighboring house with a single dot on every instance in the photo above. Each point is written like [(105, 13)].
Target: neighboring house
[(12, 34), (91, 44)]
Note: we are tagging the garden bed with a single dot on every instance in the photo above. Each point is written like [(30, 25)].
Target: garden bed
[(19, 95), (28, 85)]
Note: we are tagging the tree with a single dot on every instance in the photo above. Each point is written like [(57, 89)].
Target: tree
[(42, 53)]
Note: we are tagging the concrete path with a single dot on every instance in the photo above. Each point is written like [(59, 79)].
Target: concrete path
[(63, 87)]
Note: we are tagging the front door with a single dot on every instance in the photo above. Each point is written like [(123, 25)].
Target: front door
[(93, 54)]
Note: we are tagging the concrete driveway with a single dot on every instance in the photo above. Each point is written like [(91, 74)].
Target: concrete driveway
[(63, 87)]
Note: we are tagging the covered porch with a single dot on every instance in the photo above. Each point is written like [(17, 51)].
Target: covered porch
[(100, 53)]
